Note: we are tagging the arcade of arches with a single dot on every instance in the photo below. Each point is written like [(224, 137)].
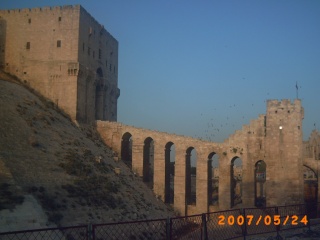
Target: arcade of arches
[(197, 176)]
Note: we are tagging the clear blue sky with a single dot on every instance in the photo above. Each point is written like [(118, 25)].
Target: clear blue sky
[(205, 68)]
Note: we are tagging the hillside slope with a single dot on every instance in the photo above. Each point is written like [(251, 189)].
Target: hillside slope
[(65, 167)]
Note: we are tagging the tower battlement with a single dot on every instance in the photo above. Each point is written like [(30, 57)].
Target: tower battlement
[(284, 108), (40, 9), (284, 104)]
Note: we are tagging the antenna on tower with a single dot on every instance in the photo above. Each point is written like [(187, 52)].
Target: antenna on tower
[(297, 90)]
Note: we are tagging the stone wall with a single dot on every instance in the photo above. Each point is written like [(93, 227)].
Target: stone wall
[(98, 52), (32, 53), (66, 55)]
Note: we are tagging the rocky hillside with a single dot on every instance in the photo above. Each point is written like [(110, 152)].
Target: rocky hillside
[(66, 168)]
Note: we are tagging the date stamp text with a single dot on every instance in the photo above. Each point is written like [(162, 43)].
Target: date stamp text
[(266, 220)]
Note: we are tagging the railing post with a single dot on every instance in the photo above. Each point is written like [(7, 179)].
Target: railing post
[(244, 228), (307, 213), (90, 232), (204, 227), (168, 229), (309, 224), (278, 226)]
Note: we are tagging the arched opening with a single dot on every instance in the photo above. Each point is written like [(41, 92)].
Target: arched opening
[(260, 174), (236, 181), (148, 161), (191, 176), (169, 172), (99, 103), (310, 190), (99, 72), (126, 149), (99, 96), (213, 179)]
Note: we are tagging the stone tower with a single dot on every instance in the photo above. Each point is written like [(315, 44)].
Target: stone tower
[(64, 54), (284, 152)]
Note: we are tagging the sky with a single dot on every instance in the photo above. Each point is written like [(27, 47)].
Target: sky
[(206, 68)]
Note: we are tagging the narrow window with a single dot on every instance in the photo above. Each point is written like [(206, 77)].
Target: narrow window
[(59, 19), (59, 43), (28, 45), (29, 20)]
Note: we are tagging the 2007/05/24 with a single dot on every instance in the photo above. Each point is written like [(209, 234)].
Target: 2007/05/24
[(266, 220)]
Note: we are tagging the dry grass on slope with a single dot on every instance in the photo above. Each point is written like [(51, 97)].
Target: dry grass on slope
[(66, 167)]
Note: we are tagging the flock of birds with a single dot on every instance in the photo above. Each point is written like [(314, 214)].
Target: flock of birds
[(215, 128)]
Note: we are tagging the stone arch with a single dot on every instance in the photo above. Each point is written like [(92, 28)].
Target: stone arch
[(191, 176), (148, 161), (260, 175), (213, 179), (311, 189), (310, 184), (126, 149), (235, 181), (169, 172)]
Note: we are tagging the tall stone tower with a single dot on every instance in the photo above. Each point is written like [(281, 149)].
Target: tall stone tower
[(66, 55), (284, 152)]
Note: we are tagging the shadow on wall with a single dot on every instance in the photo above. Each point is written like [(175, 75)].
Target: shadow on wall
[(3, 26)]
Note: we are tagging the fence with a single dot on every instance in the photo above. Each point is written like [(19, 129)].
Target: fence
[(231, 224)]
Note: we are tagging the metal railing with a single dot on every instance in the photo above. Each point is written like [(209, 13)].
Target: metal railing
[(231, 224), (64, 233)]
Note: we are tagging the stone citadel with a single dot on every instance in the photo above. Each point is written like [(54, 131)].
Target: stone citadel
[(64, 54), (67, 56)]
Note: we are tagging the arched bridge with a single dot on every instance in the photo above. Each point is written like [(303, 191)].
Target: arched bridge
[(198, 176)]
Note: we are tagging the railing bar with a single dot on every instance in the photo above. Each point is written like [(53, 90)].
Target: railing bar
[(192, 225)]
